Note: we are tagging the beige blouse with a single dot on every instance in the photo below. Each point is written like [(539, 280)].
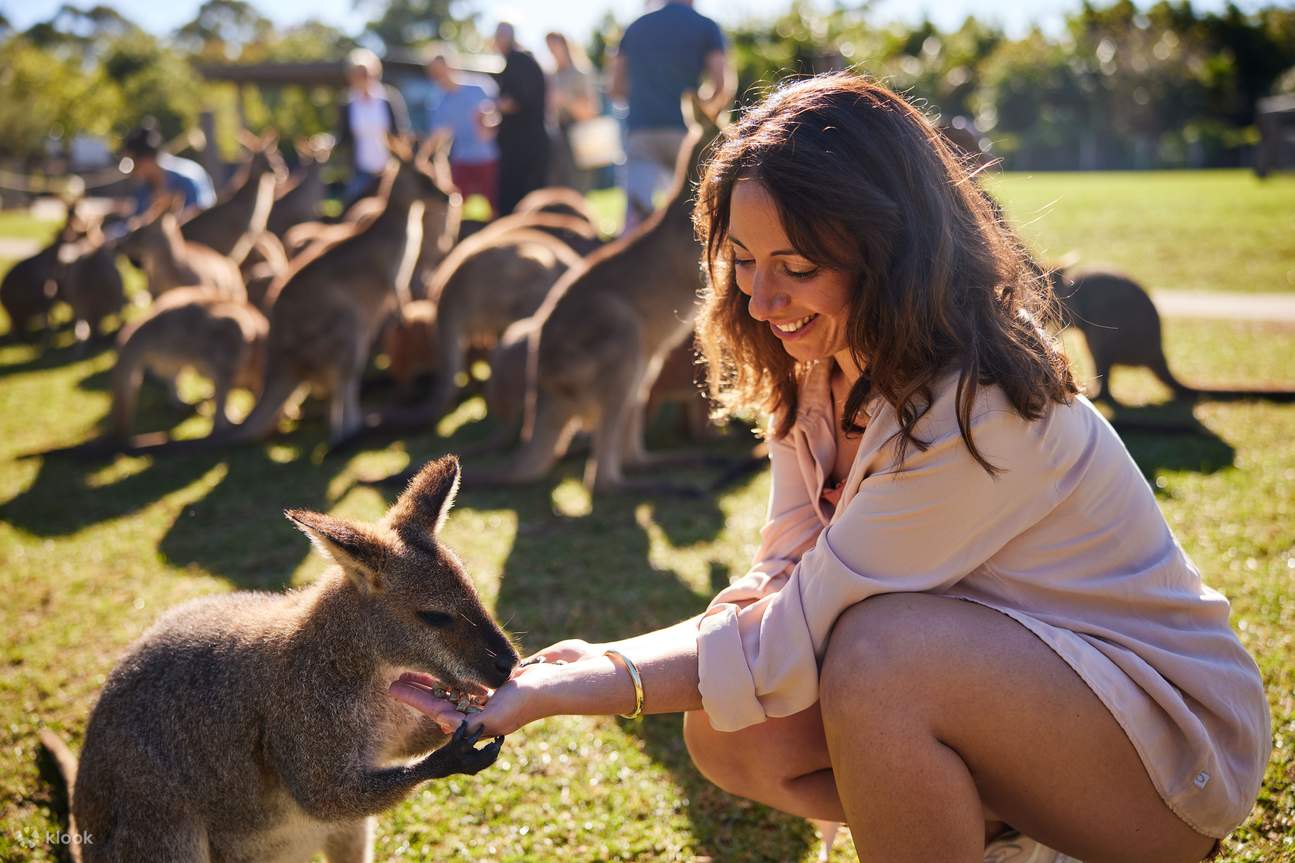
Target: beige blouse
[(1068, 540)]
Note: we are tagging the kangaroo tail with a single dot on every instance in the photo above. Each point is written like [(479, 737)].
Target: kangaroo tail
[(65, 760)]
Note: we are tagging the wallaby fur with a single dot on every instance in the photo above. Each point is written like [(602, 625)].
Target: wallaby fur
[(265, 263), (258, 726), (326, 313), (234, 222), (298, 199), (486, 284), (221, 339), (606, 328), (170, 261)]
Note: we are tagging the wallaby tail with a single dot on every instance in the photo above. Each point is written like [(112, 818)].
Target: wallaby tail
[(65, 760)]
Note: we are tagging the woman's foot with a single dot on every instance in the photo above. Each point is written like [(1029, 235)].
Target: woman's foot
[(1016, 847)]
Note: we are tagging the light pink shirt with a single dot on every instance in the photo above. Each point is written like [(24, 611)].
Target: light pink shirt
[(1068, 540)]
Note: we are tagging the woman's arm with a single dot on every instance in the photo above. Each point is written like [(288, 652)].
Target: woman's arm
[(595, 685)]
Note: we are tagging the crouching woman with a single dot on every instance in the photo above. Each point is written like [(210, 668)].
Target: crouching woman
[(967, 615)]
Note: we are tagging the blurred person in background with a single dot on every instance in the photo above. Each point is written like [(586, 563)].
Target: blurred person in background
[(468, 113), (662, 54), (157, 172), (523, 140), (572, 100), (370, 112)]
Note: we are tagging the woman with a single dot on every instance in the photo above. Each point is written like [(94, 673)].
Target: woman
[(572, 99), (967, 611), (367, 116)]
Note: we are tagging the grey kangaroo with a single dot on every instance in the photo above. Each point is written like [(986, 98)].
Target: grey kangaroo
[(170, 261), (232, 224), (257, 726), (604, 331)]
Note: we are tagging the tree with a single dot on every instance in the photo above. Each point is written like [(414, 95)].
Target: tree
[(405, 24), (222, 29)]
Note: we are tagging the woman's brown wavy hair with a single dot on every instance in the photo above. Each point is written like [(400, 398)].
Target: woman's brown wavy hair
[(865, 184)]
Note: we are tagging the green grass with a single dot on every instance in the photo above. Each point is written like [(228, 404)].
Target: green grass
[(91, 554), (1177, 230)]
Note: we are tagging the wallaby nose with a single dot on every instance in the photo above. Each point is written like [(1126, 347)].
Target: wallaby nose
[(505, 664)]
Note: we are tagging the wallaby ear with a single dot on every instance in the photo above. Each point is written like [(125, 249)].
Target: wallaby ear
[(361, 553), (422, 507)]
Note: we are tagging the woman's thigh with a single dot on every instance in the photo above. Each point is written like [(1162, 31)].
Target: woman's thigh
[(1043, 751)]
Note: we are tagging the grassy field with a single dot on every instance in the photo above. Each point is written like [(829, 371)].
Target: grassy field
[(91, 554)]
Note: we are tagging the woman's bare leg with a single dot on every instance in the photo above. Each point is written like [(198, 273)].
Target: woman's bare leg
[(935, 708)]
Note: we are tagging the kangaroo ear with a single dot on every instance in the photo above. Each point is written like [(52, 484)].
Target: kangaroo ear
[(362, 554), (422, 507), (247, 139)]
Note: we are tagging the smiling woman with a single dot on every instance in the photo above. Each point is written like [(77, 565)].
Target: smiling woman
[(968, 630)]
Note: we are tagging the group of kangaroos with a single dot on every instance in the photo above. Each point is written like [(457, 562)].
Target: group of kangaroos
[(256, 292)]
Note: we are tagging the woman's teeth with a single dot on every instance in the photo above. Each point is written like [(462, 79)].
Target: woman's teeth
[(795, 325)]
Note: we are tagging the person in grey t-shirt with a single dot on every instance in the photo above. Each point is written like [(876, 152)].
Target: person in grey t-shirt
[(662, 54)]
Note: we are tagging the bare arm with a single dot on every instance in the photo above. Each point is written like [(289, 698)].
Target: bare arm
[(721, 82), (619, 87), (591, 685)]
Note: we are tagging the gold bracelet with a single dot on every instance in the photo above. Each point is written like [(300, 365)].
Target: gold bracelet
[(638, 683)]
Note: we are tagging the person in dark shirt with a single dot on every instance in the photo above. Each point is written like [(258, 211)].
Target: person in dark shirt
[(522, 139), (662, 54)]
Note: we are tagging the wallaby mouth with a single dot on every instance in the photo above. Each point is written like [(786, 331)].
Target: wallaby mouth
[(467, 696)]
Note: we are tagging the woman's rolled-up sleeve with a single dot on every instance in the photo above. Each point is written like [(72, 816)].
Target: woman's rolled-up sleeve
[(920, 528)]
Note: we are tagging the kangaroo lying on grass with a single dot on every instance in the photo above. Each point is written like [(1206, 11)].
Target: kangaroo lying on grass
[(221, 339), (232, 224), (605, 330), (170, 261), (258, 726), (1121, 326)]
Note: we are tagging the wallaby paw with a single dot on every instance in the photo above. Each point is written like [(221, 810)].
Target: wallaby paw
[(460, 754)]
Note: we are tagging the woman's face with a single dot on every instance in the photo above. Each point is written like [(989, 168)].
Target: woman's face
[(806, 305)]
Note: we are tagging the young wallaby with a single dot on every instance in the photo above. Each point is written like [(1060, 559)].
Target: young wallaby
[(298, 199), (326, 313), (170, 261), (239, 217), (258, 726), (221, 339), (605, 330)]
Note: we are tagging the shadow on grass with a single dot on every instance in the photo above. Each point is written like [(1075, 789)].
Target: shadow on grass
[(65, 353), (1168, 437)]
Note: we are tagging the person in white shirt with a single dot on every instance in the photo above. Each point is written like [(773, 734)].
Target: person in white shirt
[(370, 112)]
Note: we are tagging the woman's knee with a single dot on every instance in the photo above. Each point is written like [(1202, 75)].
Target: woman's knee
[(878, 645)]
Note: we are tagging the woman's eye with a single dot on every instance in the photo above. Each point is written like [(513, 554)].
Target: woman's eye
[(438, 619), (743, 262), (801, 274)]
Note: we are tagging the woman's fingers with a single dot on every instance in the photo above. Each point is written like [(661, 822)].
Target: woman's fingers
[(440, 711)]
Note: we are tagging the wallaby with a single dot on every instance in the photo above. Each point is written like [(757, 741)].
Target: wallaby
[(1121, 326), (27, 292), (485, 284), (221, 339), (298, 199), (239, 217), (258, 726), (575, 231), (265, 263), (606, 328), (87, 279), (325, 314), (170, 261), (556, 199)]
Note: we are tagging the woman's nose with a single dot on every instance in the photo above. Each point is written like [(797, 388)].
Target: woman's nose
[(765, 301)]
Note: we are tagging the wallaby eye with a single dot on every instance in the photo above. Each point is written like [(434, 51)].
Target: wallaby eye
[(438, 619)]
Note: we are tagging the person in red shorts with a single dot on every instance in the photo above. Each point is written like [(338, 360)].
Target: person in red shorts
[(467, 112)]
